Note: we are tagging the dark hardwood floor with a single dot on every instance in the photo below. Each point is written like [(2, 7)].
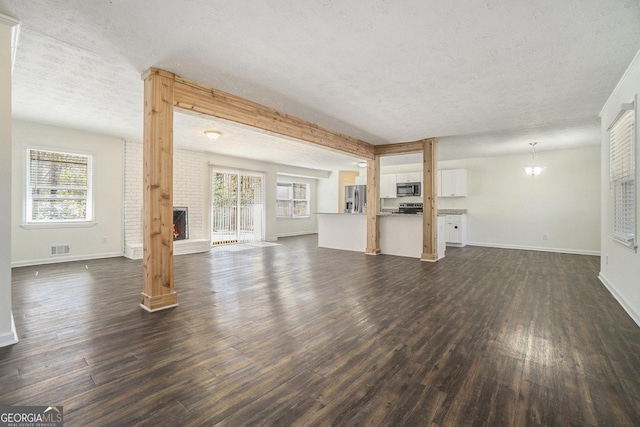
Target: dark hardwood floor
[(292, 334)]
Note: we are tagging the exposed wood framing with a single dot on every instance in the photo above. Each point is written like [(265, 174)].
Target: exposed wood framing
[(429, 200), (192, 96), (373, 199), (158, 292), (163, 91), (400, 148)]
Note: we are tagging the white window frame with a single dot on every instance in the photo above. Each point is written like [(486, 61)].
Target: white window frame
[(292, 200), (28, 221), (623, 176)]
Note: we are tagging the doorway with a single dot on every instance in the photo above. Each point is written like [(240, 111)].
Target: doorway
[(237, 207)]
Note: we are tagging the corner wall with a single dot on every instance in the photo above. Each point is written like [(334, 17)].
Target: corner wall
[(31, 246), (619, 265), (8, 333), (507, 208)]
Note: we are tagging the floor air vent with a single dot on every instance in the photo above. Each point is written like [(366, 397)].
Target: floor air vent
[(60, 250)]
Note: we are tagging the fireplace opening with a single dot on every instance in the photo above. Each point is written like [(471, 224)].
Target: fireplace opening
[(180, 224)]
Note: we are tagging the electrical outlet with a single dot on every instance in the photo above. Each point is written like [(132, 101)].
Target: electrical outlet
[(606, 259), (104, 239), (545, 236)]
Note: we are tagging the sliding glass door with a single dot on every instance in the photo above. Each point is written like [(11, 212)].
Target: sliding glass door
[(237, 211)]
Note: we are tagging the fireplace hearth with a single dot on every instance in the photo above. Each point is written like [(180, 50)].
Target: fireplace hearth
[(180, 223)]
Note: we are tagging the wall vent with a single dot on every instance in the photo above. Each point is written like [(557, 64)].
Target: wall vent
[(60, 250)]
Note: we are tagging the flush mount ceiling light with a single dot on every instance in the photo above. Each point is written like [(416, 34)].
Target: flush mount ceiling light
[(362, 164), (533, 170), (213, 134)]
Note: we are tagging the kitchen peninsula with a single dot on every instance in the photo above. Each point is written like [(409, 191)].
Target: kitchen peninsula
[(400, 234)]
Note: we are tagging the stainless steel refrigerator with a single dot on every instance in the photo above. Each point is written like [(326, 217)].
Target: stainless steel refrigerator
[(355, 198)]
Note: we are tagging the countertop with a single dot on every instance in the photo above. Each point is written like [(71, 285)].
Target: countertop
[(337, 213), (440, 213), (452, 211)]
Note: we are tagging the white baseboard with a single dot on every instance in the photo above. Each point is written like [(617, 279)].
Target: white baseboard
[(297, 233), (628, 308), (536, 248), (180, 247), (58, 259), (11, 337)]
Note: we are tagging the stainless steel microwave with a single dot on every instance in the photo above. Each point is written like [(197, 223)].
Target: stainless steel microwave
[(406, 189)]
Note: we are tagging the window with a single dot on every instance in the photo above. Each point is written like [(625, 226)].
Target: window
[(292, 200), (58, 187), (623, 176)]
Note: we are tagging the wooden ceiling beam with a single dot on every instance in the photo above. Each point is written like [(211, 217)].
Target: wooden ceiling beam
[(192, 96), (402, 147)]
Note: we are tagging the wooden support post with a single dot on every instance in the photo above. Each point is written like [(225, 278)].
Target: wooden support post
[(373, 199), (158, 293), (430, 200)]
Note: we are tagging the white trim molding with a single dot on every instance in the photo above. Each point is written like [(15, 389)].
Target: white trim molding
[(622, 80), (536, 248), (58, 259), (15, 34), (10, 337), (628, 308), (8, 20)]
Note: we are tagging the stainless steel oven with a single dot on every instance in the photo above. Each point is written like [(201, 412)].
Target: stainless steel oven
[(410, 208)]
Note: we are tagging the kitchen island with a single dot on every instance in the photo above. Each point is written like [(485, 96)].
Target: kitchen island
[(400, 234), (346, 231)]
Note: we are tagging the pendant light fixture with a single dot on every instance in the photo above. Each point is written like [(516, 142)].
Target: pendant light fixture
[(533, 170)]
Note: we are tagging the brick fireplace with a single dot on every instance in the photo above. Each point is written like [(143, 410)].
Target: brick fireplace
[(180, 223)]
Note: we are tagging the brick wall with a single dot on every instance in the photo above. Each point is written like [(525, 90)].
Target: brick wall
[(190, 173)]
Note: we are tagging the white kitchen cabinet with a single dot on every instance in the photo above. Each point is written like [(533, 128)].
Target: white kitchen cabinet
[(442, 245), (388, 186), (361, 179), (409, 177), (456, 230), (452, 183)]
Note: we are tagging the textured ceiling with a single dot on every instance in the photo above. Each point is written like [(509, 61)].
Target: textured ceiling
[(486, 77)]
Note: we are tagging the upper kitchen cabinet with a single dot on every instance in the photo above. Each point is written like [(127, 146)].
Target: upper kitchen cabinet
[(408, 177), (388, 186), (452, 183)]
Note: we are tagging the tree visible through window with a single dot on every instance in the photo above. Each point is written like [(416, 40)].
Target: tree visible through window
[(58, 187), (292, 200)]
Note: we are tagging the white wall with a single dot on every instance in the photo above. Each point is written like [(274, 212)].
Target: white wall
[(190, 189), (192, 175), (8, 334), (327, 194), (298, 226), (619, 265), (507, 208), (104, 239)]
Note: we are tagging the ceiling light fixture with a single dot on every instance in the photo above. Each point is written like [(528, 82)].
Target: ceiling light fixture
[(533, 170), (362, 164), (213, 134)]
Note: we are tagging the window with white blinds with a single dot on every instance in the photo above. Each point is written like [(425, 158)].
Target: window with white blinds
[(58, 187), (623, 176), (292, 200)]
